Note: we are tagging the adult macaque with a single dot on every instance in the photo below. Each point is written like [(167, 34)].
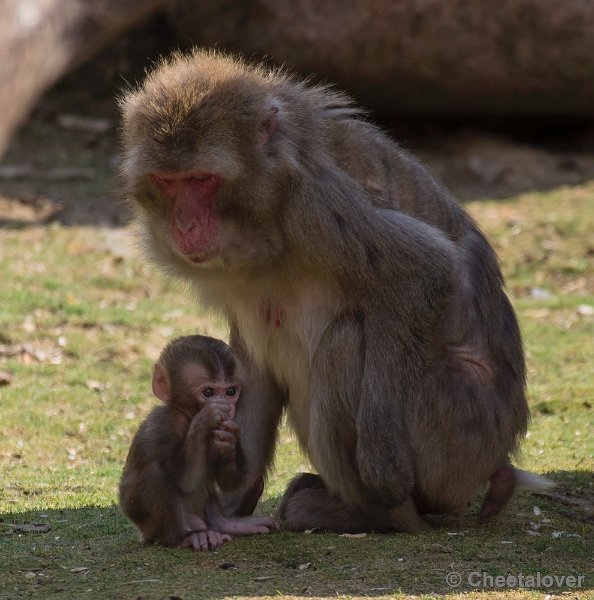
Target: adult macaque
[(361, 297), (185, 448)]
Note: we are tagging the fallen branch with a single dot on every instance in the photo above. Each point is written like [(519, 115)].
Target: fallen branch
[(87, 124), (14, 172)]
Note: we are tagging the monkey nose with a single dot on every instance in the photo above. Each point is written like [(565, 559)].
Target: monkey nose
[(184, 225)]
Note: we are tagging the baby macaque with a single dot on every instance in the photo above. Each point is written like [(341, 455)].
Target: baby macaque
[(186, 448)]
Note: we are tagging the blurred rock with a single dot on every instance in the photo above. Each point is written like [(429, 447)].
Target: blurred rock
[(42, 39), (418, 57)]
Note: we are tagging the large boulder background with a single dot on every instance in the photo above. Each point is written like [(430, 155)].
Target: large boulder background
[(438, 58), (41, 40), (419, 57), (496, 98)]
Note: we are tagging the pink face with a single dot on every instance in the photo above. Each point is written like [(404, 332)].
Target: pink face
[(203, 387), (192, 217), (191, 197)]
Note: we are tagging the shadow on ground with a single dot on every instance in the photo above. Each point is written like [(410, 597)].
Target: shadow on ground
[(94, 552)]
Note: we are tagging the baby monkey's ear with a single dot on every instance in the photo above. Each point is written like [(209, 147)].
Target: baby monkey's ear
[(161, 383)]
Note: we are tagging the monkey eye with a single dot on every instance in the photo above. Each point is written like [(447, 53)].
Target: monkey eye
[(208, 392), (164, 184), (202, 178), (232, 391)]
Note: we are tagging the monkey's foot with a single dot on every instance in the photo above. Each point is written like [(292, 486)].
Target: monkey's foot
[(204, 540), (406, 518), (248, 526), (308, 504), (262, 522)]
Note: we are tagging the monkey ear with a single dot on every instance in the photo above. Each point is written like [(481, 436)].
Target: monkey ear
[(270, 121), (161, 387)]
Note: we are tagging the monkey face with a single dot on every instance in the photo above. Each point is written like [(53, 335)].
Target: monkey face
[(200, 144), (203, 388), (182, 194), (192, 219)]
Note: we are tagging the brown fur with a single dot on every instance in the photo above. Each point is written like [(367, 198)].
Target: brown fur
[(360, 295), (169, 484)]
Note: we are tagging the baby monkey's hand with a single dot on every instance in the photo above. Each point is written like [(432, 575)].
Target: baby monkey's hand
[(215, 412)]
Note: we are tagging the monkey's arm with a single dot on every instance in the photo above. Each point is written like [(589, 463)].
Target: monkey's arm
[(228, 470), (192, 469), (400, 273), (423, 271), (364, 455), (227, 473), (383, 452), (258, 414)]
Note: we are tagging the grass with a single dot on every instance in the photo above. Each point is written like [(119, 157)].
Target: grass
[(82, 319)]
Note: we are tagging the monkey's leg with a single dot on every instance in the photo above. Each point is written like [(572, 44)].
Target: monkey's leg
[(307, 504), (265, 521), (303, 481), (196, 540), (199, 535), (337, 452), (160, 514), (217, 539), (400, 273)]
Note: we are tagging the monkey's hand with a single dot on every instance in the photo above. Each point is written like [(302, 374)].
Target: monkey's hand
[(388, 482), (215, 413)]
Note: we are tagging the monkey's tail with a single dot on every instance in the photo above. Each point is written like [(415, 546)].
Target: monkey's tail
[(525, 480), (504, 481)]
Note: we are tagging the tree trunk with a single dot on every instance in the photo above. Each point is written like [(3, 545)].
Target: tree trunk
[(41, 39)]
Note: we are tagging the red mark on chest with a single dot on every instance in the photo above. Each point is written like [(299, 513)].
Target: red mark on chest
[(272, 315)]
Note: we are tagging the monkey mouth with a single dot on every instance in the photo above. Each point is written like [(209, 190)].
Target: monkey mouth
[(200, 258)]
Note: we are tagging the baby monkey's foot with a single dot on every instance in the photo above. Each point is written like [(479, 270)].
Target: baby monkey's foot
[(204, 540), (248, 525)]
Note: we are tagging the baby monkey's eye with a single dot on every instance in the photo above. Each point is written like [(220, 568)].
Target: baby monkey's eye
[(231, 391), (208, 392)]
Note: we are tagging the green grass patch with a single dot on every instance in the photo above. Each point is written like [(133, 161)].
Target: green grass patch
[(82, 319)]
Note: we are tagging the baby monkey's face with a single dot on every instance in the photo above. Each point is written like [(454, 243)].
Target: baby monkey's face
[(204, 387)]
